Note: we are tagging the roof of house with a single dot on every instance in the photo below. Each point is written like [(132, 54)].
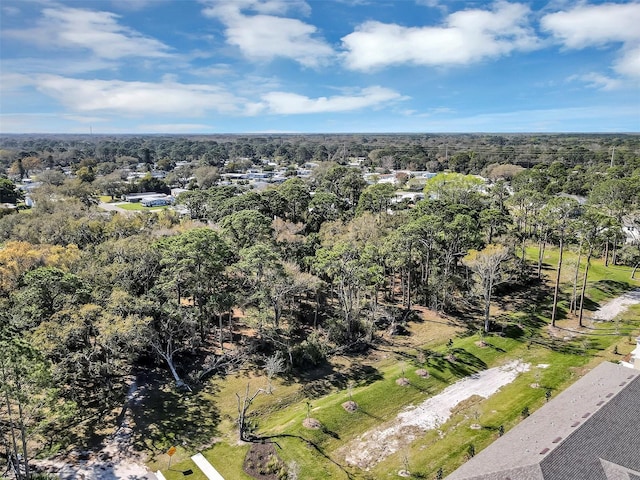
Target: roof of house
[(591, 431)]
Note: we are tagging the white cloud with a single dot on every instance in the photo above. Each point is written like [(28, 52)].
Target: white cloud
[(429, 3), (175, 128), (467, 36), (41, 122), (585, 119), (291, 103), (264, 36), (600, 25), (10, 81), (266, 7), (437, 4), (84, 118), (10, 10), (133, 5), (216, 70), (599, 81), (629, 63), (138, 98), (53, 65), (593, 25), (98, 32), (171, 98)]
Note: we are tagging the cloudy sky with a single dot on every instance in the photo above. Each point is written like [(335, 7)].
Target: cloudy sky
[(249, 66)]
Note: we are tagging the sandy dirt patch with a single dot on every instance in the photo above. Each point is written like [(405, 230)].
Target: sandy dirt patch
[(97, 469), (311, 423), (618, 305), (386, 439), (117, 460)]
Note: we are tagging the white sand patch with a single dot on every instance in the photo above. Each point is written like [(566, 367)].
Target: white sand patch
[(618, 305), (115, 461), (543, 365), (380, 442), (98, 470)]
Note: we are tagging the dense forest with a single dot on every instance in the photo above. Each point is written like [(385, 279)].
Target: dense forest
[(300, 270), (458, 153)]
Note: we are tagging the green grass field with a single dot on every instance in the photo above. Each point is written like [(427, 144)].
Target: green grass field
[(568, 352), (140, 207)]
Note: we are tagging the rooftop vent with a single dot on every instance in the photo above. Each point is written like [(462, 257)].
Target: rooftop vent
[(556, 440), (575, 424), (586, 415), (609, 395), (543, 451), (600, 402)]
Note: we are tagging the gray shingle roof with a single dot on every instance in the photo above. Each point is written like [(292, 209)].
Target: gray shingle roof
[(611, 434), (594, 422)]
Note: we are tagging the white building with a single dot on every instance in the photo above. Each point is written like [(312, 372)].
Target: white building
[(634, 357)]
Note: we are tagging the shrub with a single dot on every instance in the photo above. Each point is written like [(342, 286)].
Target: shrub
[(311, 352)]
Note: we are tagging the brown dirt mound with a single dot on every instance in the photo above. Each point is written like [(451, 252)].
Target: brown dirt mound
[(422, 373), (403, 382), (311, 423), (262, 462), (350, 406)]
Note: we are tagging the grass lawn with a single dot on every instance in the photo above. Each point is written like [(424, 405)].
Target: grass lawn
[(140, 207), (557, 358)]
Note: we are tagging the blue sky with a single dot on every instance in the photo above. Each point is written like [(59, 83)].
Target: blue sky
[(255, 66)]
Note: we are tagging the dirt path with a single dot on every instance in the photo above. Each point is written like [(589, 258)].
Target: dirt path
[(377, 444), (618, 305), (115, 461), (113, 207)]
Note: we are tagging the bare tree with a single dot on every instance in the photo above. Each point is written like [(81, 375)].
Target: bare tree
[(222, 363), (244, 403), (488, 265), (273, 366), (175, 331)]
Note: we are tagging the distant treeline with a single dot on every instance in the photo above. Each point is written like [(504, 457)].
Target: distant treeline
[(464, 153)]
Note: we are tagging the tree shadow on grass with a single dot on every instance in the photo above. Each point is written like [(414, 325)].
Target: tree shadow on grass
[(590, 305), (368, 414), (573, 347), (496, 348), (533, 299), (309, 443), (331, 433), (459, 362), (356, 375), (419, 388), (611, 287), (166, 417)]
